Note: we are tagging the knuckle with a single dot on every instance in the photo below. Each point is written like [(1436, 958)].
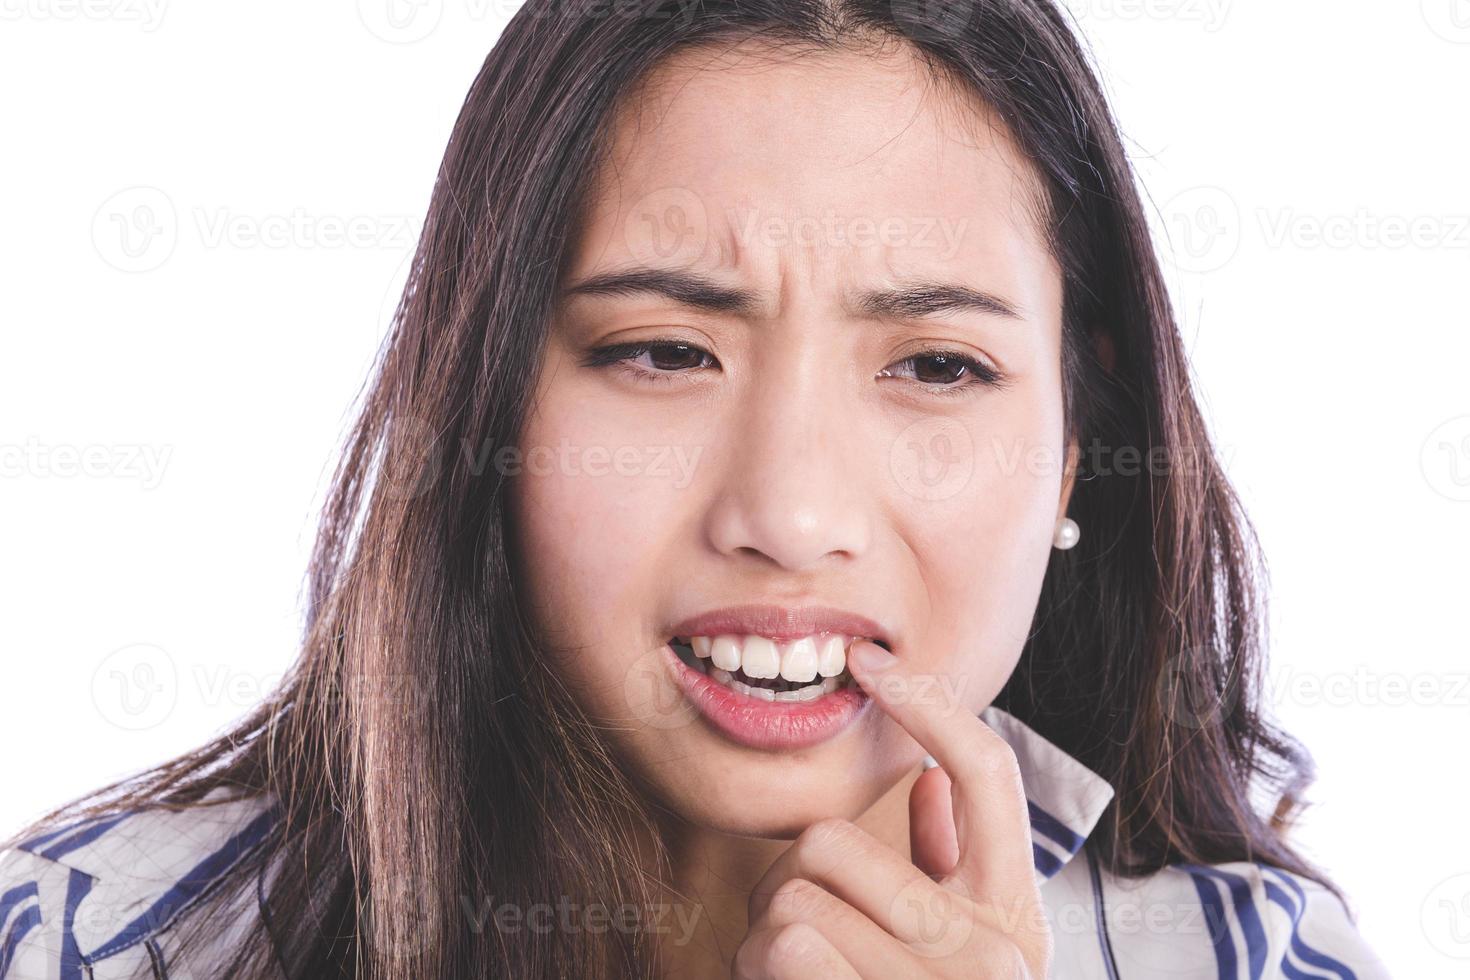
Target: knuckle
[(796, 899), (1004, 961), (744, 964), (998, 758), (794, 945), (824, 836)]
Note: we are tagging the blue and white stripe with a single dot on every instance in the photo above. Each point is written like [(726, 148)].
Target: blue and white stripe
[(110, 890), (1250, 939), (70, 867)]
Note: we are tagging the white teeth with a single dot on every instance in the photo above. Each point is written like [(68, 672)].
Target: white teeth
[(816, 661), (725, 652), (758, 658), (799, 660), (763, 693), (832, 655)]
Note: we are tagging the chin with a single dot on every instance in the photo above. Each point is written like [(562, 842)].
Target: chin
[(733, 790)]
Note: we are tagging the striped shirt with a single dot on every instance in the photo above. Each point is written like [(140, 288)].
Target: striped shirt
[(102, 899)]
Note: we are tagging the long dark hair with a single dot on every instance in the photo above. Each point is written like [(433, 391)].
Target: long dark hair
[(420, 752)]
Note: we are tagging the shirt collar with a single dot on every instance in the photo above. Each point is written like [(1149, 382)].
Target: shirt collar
[(1064, 798)]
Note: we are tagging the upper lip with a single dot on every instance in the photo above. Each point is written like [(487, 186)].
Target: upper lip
[(780, 623)]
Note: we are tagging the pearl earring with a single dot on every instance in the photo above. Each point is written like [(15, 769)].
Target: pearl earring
[(1067, 534)]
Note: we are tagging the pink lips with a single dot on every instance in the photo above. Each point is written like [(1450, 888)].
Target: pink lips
[(780, 623), (767, 724), (772, 724)]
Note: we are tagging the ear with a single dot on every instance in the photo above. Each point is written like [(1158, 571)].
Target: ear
[(1107, 356), (1102, 342), (1069, 477)]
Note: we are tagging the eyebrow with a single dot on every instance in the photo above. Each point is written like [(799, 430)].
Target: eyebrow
[(913, 300)]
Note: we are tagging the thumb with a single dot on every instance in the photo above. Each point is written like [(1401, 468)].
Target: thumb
[(933, 841)]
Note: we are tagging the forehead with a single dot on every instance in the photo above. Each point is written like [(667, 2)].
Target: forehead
[(756, 149)]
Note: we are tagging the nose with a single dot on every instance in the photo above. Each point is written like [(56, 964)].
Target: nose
[(793, 491)]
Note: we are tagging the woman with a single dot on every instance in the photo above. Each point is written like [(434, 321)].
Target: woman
[(780, 541)]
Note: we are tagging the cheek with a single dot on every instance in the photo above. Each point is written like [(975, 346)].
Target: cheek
[(592, 519), (983, 551)]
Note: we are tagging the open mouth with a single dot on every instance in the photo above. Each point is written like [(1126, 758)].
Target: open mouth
[(798, 671)]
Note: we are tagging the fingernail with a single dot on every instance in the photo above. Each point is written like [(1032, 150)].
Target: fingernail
[(870, 656)]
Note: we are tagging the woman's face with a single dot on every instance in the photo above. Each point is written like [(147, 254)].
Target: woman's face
[(822, 225)]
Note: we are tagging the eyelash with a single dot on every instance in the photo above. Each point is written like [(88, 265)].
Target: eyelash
[(621, 354)]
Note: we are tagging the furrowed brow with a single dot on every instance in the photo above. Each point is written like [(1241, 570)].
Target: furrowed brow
[(686, 288), (690, 289), (930, 298)]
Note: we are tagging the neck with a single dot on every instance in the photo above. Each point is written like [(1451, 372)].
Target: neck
[(714, 874)]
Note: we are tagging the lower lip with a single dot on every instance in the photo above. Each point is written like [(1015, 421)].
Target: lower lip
[(767, 724)]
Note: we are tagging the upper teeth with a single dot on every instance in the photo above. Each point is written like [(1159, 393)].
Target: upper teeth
[(796, 660)]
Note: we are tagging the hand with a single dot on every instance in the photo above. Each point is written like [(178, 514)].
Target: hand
[(841, 904)]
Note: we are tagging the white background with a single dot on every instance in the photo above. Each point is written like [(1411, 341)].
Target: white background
[(170, 405)]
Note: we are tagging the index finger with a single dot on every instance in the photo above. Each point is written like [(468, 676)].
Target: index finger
[(991, 819)]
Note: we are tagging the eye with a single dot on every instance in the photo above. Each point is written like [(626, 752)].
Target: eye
[(653, 360), (947, 372)]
